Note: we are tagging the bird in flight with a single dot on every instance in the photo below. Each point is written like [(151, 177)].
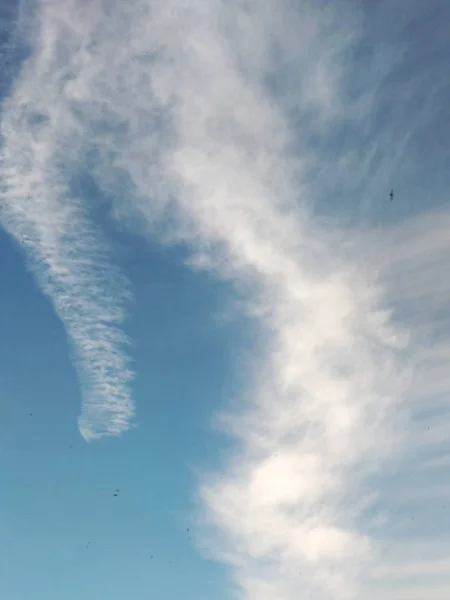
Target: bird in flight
[(391, 195)]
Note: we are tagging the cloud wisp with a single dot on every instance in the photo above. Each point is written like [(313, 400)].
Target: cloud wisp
[(213, 119), (41, 148)]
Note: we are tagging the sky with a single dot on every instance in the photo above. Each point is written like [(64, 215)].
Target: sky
[(223, 348)]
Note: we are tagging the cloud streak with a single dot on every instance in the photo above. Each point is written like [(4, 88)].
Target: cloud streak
[(40, 153), (225, 125)]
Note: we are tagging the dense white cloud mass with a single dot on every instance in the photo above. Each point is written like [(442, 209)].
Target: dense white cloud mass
[(212, 119)]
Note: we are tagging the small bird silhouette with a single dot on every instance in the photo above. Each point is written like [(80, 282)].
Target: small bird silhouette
[(391, 195)]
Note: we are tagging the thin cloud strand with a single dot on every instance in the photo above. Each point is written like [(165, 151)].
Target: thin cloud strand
[(41, 147)]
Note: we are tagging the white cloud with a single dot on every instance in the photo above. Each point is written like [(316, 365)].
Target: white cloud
[(413, 571), (193, 103), (42, 147), (326, 390)]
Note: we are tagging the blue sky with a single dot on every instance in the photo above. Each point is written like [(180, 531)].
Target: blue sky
[(209, 303)]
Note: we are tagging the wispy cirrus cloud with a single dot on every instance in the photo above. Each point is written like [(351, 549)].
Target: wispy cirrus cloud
[(41, 149), (234, 121)]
